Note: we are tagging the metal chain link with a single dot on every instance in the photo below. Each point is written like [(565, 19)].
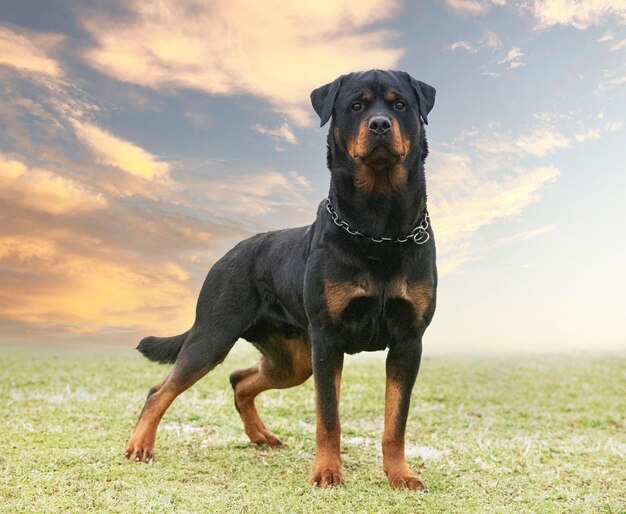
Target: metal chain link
[(418, 235)]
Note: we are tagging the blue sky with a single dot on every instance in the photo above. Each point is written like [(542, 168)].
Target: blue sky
[(141, 140)]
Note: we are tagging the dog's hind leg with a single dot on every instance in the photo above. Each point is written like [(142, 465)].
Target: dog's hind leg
[(226, 305), (197, 357), (285, 363)]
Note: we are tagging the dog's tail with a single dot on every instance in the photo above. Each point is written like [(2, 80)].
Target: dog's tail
[(163, 350)]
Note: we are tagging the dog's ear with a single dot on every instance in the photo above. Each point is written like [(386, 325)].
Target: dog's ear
[(323, 99), (425, 95)]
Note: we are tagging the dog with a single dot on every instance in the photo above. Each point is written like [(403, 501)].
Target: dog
[(361, 277)]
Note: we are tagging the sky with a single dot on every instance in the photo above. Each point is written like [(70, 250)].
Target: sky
[(140, 140)]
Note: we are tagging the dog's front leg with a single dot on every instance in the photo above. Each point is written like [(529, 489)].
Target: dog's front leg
[(327, 362), (402, 366)]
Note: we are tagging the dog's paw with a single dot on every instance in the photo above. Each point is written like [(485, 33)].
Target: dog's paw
[(266, 438), (326, 476), (404, 478), (139, 451)]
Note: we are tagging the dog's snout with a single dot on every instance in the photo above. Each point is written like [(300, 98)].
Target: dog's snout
[(380, 124)]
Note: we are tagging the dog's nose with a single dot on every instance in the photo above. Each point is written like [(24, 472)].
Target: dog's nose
[(380, 124)]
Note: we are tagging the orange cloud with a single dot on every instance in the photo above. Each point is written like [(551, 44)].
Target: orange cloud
[(93, 292), (114, 151), (43, 190), (28, 51), (132, 266), (278, 50)]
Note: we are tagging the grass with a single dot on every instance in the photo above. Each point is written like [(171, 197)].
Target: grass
[(523, 434)]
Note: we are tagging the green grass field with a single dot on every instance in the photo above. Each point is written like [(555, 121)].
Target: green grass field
[(511, 434)]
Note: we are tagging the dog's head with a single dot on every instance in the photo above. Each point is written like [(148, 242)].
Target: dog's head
[(377, 125)]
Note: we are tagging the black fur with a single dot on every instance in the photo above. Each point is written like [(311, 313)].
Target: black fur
[(163, 350)]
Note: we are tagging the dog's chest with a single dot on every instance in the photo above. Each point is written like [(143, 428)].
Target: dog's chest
[(373, 315)]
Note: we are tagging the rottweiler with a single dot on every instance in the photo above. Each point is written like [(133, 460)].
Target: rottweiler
[(362, 277)]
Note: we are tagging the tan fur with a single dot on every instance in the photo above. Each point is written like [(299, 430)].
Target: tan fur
[(339, 294), (383, 182), (358, 146), (379, 181), (419, 294), (399, 143), (327, 466), (391, 96), (265, 375), (394, 461), (140, 446)]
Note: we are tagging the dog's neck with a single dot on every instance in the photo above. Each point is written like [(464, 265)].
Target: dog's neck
[(392, 214)]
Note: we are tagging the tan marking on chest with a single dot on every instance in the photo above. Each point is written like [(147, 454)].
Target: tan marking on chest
[(339, 294), (418, 294)]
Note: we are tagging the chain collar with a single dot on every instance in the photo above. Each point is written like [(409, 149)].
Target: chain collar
[(418, 235)]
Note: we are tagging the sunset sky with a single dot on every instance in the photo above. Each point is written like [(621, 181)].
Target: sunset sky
[(140, 140)]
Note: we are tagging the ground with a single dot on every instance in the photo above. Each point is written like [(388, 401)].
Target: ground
[(488, 434)]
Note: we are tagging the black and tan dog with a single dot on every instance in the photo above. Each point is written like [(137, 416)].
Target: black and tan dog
[(362, 277)]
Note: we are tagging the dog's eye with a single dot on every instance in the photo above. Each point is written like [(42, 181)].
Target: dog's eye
[(356, 106), (400, 105)]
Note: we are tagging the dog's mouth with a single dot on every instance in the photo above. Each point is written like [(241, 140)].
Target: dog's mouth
[(380, 154)]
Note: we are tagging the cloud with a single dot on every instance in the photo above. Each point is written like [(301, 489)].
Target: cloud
[(484, 175), (513, 58), (136, 266), (525, 235), (262, 200), (128, 263), (489, 40), (282, 134), (619, 45), (44, 117), (199, 119), (101, 236), (462, 45), (28, 51), (608, 36), (276, 50), (473, 7), (51, 283), (581, 14), (538, 141), (611, 79), (43, 190), (590, 135), (464, 198), (595, 133), (113, 151), (541, 141)]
